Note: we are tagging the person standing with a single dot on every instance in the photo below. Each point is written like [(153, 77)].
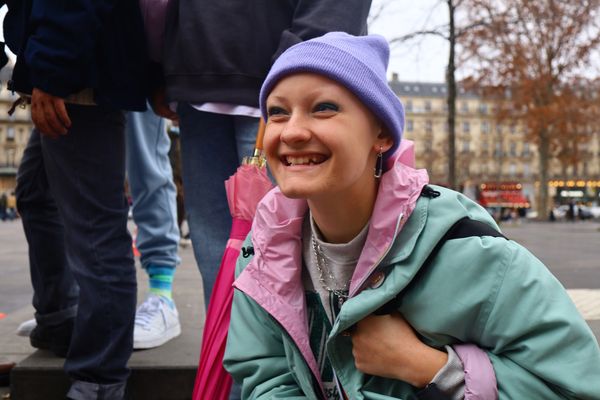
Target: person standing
[(215, 57), (151, 184), (154, 212), (3, 206), (80, 64)]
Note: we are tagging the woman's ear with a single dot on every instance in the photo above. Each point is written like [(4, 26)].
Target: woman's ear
[(384, 141)]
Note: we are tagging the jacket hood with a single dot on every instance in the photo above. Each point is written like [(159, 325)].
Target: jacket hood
[(273, 276)]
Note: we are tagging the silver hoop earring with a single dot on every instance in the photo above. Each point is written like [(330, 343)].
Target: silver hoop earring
[(379, 164)]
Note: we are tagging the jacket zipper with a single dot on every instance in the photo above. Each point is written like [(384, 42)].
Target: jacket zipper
[(385, 253)]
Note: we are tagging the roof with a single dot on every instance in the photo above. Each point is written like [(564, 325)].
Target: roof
[(426, 89)]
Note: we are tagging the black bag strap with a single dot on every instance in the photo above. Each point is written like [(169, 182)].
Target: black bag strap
[(463, 228)]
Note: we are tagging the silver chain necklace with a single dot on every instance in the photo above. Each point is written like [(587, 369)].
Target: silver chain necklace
[(323, 267)]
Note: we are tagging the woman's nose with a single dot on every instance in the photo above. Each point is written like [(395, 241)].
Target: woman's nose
[(295, 131)]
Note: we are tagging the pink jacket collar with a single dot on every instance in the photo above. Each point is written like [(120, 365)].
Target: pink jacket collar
[(273, 276)]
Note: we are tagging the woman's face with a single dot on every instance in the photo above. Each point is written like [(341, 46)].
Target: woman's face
[(320, 140)]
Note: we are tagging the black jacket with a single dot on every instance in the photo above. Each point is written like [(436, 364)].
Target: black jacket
[(221, 50), (65, 46)]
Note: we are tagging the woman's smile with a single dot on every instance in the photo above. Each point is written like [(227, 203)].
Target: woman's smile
[(303, 160)]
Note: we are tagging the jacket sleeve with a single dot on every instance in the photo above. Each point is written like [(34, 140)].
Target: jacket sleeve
[(61, 46), (315, 18), (539, 345)]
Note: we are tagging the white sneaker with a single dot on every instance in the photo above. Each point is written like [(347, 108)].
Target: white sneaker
[(156, 322), (185, 242), (26, 327)]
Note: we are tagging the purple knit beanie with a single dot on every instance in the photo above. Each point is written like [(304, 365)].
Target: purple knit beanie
[(358, 63)]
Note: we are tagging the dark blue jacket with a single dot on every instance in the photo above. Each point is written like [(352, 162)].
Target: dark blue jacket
[(65, 46)]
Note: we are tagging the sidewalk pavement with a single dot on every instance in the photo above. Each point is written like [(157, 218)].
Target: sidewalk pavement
[(180, 354)]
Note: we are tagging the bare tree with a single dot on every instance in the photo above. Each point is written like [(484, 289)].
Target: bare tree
[(531, 55), (449, 32)]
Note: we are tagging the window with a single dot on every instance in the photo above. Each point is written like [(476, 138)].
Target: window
[(428, 126), (498, 149), (483, 108), (485, 127), (409, 125), (466, 127), (10, 134), (513, 128), (512, 169), (466, 146), (427, 105), (409, 105), (526, 170), (513, 149), (464, 107), (526, 149)]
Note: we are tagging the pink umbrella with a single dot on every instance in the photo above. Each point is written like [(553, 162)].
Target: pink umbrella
[(244, 190)]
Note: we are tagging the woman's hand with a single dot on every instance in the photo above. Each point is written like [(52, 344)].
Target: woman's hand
[(387, 346)]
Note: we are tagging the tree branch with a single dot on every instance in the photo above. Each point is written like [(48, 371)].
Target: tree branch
[(412, 35)]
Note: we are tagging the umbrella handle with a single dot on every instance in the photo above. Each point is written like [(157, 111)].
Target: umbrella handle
[(257, 157), (260, 135)]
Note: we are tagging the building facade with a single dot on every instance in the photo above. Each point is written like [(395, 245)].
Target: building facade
[(488, 151), (14, 134)]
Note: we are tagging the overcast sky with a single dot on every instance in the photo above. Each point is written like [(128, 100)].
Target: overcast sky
[(420, 60)]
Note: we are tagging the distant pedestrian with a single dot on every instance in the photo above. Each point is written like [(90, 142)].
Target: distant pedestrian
[(11, 206), (571, 211), (3, 206)]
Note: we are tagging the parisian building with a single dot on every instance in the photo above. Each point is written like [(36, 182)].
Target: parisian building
[(14, 134), (488, 152)]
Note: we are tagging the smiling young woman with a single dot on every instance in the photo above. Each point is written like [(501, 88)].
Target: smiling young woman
[(321, 144), (352, 233)]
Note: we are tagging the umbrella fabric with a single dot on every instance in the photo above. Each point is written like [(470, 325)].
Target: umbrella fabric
[(244, 191)]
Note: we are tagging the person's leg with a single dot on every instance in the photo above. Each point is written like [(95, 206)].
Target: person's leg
[(245, 135), (154, 212), (55, 292), (153, 191), (86, 175), (208, 156)]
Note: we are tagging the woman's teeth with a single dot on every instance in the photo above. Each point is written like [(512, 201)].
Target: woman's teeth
[(304, 160)]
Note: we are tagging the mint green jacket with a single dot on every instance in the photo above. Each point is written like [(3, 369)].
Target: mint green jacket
[(486, 291)]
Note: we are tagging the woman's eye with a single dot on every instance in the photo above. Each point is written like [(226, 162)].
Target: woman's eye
[(324, 107), (274, 111)]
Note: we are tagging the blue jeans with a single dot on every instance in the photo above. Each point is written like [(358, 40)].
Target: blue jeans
[(151, 184), (74, 213), (212, 147)]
